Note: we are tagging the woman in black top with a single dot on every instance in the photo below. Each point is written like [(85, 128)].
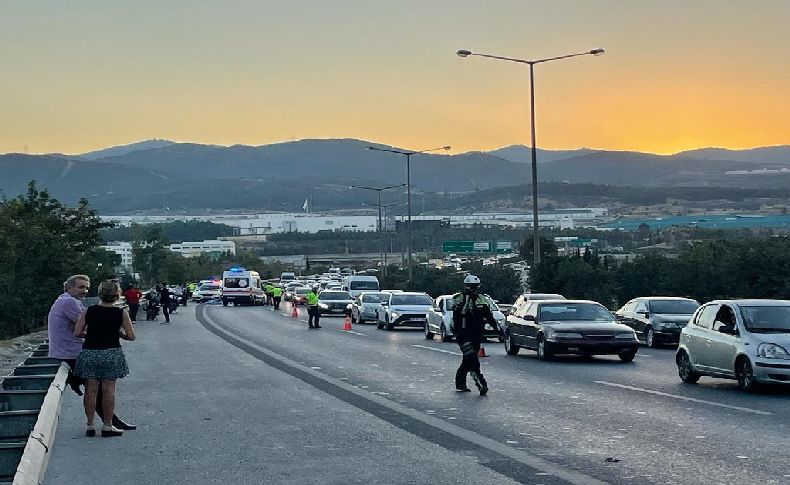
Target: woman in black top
[(101, 358)]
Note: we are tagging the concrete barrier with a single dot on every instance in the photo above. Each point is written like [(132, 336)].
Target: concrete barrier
[(33, 463), (41, 360)]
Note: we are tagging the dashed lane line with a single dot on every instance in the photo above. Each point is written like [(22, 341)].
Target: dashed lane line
[(685, 398)]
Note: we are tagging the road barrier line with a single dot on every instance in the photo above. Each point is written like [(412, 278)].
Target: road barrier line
[(685, 398), (33, 465), (437, 350), (355, 333), (509, 461)]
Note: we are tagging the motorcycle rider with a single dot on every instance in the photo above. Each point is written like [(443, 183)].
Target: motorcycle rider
[(470, 314)]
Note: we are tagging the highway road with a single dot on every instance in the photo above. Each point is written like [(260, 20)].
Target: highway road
[(600, 418), (250, 395)]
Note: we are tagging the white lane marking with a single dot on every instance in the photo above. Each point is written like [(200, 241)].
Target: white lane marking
[(355, 333), (685, 398), (437, 350)]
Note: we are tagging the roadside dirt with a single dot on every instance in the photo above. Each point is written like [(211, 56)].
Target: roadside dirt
[(14, 351)]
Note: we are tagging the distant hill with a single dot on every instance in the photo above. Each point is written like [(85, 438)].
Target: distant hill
[(523, 154), (124, 149), (774, 155), (279, 176)]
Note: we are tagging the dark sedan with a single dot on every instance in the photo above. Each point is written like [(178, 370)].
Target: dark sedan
[(657, 319), (332, 302), (583, 327)]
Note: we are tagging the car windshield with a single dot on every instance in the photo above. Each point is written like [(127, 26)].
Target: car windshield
[(374, 297), (544, 296), (575, 312), (209, 287), (766, 319), (411, 300), (674, 307), (237, 282), (363, 285), (335, 295)]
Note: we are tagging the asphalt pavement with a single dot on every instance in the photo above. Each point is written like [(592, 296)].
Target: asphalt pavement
[(250, 395)]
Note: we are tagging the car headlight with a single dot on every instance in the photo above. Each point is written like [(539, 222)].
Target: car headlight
[(625, 336), (394, 314), (323, 305), (662, 324), (772, 351), (568, 335)]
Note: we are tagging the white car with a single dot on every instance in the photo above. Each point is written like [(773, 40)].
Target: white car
[(404, 309), (440, 319), (207, 291), (367, 305)]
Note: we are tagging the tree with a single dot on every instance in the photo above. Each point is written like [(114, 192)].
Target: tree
[(42, 242)]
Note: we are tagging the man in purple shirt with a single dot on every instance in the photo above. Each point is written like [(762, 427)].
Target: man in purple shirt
[(63, 344)]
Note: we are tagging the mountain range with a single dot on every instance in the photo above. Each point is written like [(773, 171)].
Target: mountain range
[(161, 173)]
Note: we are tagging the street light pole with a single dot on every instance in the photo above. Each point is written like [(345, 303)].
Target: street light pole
[(408, 155), (531, 64), (380, 228)]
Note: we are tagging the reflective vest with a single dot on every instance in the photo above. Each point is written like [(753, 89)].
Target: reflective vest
[(312, 298), (277, 292), (268, 288)]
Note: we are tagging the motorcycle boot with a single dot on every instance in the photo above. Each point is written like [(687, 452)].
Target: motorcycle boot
[(480, 382)]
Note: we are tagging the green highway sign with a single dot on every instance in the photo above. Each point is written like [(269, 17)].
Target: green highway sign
[(477, 246)]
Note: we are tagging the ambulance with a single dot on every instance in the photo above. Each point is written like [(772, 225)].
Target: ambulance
[(242, 287)]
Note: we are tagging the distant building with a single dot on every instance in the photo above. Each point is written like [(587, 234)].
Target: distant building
[(124, 250), (190, 249)]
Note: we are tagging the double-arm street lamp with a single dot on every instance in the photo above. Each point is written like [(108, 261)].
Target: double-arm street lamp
[(408, 155), (531, 64), (379, 190)]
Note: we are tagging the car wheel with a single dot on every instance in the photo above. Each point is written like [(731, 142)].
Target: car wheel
[(744, 372), (628, 355), (685, 371), (428, 333), (224, 302), (543, 352), (510, 347), (650, 338), (443, 334)]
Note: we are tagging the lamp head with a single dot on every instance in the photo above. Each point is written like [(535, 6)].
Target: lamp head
[(597, 52), (463, 53)]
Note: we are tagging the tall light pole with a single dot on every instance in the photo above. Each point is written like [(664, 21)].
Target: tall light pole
[(408, 155), (531, 64), (380, 227)]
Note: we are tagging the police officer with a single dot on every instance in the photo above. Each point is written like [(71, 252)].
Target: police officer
[(268, 289), (470, 313), (313, 311), (277, 295)]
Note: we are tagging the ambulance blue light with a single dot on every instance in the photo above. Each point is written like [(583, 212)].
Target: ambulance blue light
[(236, 269)]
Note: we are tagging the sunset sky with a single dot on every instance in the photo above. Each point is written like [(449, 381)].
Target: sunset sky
[(81, 75)]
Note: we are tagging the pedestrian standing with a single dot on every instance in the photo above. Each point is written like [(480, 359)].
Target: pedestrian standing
[(470, 313), (63, 344), (101, 359), (277, 295), (164, 300), (133, 296), (313, 310)]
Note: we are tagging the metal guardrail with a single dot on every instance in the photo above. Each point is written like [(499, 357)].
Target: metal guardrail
[(30, 401)]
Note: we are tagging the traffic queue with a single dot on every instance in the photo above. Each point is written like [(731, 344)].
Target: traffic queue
[(745, 340)]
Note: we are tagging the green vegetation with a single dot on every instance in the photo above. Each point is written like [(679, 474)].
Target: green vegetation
[(178, 231), (704, 270), (42, 242)]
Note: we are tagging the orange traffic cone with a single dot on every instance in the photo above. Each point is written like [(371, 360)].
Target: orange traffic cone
[(294, 312), (347, 323), (482, 352)]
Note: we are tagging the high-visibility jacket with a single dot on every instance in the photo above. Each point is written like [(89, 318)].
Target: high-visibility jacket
[(268, 288), (312, 298), (277, 292)]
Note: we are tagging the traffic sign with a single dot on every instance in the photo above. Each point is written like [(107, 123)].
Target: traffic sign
[(477, 246)]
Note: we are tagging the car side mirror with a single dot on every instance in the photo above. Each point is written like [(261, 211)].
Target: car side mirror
[(645, 314), (529, 318)]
